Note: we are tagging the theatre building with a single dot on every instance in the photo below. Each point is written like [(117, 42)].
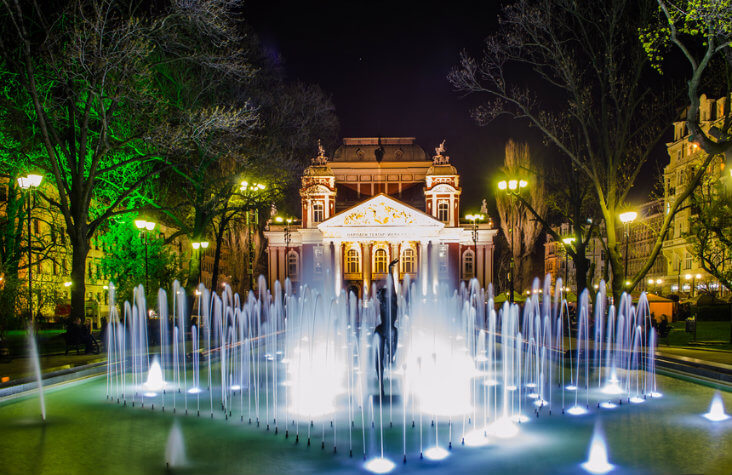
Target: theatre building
[(375, 200)]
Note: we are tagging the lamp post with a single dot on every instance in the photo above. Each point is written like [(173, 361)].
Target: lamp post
[(144, 227), (288, 239), (627, 218), (512, 187), (475, 218), (199, 246), (568, 241), (250, 190), (29, 183)]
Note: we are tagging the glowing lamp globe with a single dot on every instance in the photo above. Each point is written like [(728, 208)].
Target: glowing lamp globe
[(628, 217)]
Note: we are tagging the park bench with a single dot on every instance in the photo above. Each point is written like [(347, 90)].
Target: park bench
[(75, 340)]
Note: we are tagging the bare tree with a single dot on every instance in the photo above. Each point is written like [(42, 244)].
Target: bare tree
[(591, 100), (518, 224)]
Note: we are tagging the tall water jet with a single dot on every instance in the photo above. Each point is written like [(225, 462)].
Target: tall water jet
[(175, 450), (597, 460), (716, 409), (37, 370)]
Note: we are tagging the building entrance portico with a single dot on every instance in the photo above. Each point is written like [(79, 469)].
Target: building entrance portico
[(368, 236)]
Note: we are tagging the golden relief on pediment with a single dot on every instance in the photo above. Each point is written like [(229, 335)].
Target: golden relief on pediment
[(378, 214)]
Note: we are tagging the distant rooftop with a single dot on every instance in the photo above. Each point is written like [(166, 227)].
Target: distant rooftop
[(364, 149)]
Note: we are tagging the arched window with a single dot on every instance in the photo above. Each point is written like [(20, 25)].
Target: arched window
[(408, 261), (353, 263), (443, 211), (317, 212), (292, 265), (468, 264), (380, 261)]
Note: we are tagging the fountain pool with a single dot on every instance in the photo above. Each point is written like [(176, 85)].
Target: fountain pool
[(470, 389)]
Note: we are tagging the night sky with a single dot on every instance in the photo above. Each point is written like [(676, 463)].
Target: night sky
[(385, 64)]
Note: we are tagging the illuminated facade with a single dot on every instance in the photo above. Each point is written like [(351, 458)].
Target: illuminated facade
[(685, 274), (376, 200)]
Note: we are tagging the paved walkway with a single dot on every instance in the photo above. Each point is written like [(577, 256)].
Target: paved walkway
[(723, 357)]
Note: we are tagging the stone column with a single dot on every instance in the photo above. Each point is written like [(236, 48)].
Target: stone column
[(423, 265), (480, 264), (281, 267), (366, 266), (271, 272), (338, 266)]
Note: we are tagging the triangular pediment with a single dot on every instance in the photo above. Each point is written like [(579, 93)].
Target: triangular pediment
[(381, 211)]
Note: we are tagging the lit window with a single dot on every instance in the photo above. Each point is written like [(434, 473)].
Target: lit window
[(353, 263), (468, 264), (408, 261), (317, 212), (292, 265), (380, 261), (443, 211)]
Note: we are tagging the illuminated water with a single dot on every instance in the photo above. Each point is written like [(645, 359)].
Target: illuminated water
[(289, 379)]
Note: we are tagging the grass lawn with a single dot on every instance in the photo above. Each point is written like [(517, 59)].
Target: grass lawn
[(708, 334)]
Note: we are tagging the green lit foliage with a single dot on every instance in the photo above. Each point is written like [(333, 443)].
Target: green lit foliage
[(123, 260), (708, 23), (83, 80), (701, 30)]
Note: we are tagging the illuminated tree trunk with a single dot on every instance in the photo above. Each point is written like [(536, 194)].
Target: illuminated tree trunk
[(80, 246)]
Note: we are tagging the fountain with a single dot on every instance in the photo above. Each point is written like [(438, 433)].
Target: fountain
[(301, 362), (716, 409)]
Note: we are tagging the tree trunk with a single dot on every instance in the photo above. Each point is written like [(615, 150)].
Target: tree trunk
[(581, 266), (80, 246), (217, 254)]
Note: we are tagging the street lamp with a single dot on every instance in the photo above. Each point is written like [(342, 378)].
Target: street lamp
[(627, 218), (512, 187), (475, 218), (144, 227), (199, 246), (288, 239), (29, 183), (250, 190)]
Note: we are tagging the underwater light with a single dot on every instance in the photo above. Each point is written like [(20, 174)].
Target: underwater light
[(570, 387), (520, 418), (195, 390), (612, 388), (476, 438), (503, 428), (379, 465), (608, 405), (577, 410), (436, 453)]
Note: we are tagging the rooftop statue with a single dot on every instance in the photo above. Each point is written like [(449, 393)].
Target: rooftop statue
[(321, 159), (440, 158)]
